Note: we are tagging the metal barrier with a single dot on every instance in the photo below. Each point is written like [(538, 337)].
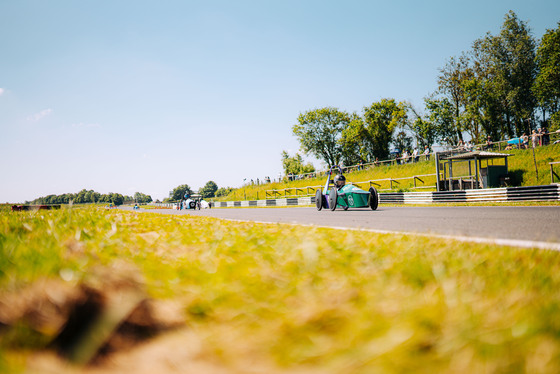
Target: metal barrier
[(533, 193), (373, 182), (506, 194), (278, 193)]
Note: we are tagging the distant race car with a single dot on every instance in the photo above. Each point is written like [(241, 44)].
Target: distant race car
[(193, 202), (338, 193)]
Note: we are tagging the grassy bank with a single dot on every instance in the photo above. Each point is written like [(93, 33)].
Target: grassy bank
[(275, 298), (521, 168)]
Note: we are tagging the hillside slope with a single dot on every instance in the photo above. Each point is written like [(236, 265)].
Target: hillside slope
[(521, 169)]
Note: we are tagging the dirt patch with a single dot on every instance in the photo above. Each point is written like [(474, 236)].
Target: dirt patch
[(87, 323)]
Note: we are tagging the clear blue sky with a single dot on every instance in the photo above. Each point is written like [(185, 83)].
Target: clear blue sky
[(127, 96)]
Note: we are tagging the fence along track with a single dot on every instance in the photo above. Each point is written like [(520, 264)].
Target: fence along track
[(285, 192)]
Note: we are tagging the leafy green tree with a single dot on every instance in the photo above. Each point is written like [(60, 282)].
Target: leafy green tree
[(484, 115), (441, 114), (512, 70), (554, 122), (179, 191), (142, 198), (223, 191), (295, 165), (451, 87), (369, 137), (402, 141), (476, 102), (319, 132), (355, 142), (116, 198), (381, 119), (81, 197), (88, 197), (209, 190), (547, 82), (425, 131)]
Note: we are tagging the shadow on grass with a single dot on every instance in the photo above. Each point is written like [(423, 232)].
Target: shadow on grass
[(516, 177)]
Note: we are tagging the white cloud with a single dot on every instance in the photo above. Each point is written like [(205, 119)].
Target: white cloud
[(38, 116), (1, 91)]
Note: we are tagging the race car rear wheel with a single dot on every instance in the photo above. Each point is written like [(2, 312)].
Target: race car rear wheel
[(192, 204), (373, 200), (319, 199), (333, 197)]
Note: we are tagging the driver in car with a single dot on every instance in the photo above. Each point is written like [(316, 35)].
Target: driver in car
[(339, 181)]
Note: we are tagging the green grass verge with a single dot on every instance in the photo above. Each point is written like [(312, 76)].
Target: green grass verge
[(521, 168), (302, 298)]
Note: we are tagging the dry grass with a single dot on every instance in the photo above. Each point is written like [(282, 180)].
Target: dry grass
[(280, 298)]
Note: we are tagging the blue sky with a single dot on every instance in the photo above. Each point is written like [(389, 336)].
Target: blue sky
[(127, 96)]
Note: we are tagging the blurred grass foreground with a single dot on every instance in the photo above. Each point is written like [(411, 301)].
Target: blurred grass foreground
[(94, 290)]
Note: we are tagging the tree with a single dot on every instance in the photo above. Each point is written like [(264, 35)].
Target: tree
[(116, 198), (440, 114), (547, 82), (425, 131), (295, 165), (179, 192), (319, 131), (355, 142), (483, 111), (476, 103), (420, 127), (402, 141), (209, 190), (450, 86), (381, 119), (142, 198), (223, 191), (367, 138), (512, 69)]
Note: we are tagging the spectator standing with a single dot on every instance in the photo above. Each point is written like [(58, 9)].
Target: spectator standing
[(415, 155), (534, 139), (426, 153)]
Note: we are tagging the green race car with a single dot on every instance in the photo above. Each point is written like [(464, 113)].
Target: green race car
[(339, 194)]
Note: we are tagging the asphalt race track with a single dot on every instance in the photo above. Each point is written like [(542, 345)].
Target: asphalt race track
[(525, 226)]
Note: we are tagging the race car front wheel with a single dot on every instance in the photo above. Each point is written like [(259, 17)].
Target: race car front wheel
[(319, 199), (373, 200), (333, 197)]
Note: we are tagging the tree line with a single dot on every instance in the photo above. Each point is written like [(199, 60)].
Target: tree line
[(209, 190), (90, 196), (505, 86)]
